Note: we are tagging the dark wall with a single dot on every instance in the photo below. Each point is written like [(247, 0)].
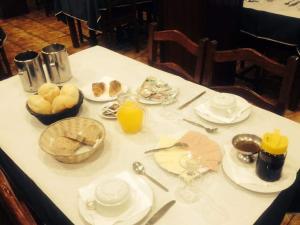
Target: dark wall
[(10, 8)]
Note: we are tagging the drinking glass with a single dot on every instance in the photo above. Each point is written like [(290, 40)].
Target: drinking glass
[(189, 192), (130, 114)]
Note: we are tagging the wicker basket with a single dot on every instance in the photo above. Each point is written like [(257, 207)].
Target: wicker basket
[(74, 124)]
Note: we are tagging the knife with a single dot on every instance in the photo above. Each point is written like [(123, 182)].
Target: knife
[(162, 211), (191, 100)]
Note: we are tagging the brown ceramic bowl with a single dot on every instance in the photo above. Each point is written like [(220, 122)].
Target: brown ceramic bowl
[(51, 118)]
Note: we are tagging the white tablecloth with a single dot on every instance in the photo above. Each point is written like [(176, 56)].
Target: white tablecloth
[(275, 6), (223, 201)]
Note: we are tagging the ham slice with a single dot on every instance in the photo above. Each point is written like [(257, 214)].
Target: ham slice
[(200, 145)]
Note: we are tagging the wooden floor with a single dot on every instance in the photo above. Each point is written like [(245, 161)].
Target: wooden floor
[(35, 31)]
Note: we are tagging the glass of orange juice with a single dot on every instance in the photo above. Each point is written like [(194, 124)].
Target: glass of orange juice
[(130, 114)]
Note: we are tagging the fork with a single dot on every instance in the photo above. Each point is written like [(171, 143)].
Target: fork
[(289, 2), (295, 3), (177, 144)]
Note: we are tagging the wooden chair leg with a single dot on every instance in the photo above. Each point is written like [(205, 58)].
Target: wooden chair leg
[(73, 32), (136, 36), (5, 62), (48, 6), (92, 38), (295, 93), (80, 31)]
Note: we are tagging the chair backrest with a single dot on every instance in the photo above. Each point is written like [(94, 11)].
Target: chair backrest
[(18, 210), (118, 12), (175, 36), (285, 72)]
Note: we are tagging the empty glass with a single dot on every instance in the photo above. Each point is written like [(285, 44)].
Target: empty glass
[(189, 192)]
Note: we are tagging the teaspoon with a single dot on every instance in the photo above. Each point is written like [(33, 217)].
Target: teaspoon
[(207, 129), (139, 168)]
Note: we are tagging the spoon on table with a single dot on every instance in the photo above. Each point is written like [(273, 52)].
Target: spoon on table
[(139, 168), (207, 129), (177, 144)]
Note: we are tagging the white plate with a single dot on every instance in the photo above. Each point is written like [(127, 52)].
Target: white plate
[(142, 195), (169, 160), (104, 108), (146, 101), (241, 103), (244, 174), (88, 92)]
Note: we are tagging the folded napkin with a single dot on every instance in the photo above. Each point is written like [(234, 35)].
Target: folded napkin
[(206, 110), (140, 201)]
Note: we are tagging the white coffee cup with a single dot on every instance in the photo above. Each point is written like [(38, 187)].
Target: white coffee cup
[(223, 104)]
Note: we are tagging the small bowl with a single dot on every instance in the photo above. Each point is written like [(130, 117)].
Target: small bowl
[(246, 145), (51, 118), (74, 125)]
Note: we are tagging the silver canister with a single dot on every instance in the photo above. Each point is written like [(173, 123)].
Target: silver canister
[(30, 70), (57, 62)]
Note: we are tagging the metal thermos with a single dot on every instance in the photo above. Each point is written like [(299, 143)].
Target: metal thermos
[(57, 62), (30, 70)]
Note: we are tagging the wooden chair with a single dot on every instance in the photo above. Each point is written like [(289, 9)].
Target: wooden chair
[(285, 72), (118, 14), (18, 211), (175, 36), (5, 71)]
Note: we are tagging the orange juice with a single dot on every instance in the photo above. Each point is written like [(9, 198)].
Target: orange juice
[(130, 116)]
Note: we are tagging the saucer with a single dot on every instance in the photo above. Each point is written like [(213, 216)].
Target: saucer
[(244, 174), (140, 204), (88, 92), (242, 112)]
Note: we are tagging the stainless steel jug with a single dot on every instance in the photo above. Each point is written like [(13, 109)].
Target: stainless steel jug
[(30, 70), (57, 62)]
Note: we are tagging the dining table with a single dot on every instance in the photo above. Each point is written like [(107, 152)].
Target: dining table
[(87, 11), (221, 201), (275, 21)]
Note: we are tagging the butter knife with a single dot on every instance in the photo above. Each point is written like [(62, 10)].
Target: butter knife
[(162, 211), (191, 100)]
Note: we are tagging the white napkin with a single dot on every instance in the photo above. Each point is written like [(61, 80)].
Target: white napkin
[(140, 202), (206, 109)]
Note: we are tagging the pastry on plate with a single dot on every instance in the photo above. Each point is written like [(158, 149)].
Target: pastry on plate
[(114, 88), (98, 88)]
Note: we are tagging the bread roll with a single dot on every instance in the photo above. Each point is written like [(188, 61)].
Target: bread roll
[(63, 102), (48, 91), (39, 105), (70, 90)]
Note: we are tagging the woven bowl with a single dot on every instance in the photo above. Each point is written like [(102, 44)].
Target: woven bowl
[(74, 124), (51, 118)]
